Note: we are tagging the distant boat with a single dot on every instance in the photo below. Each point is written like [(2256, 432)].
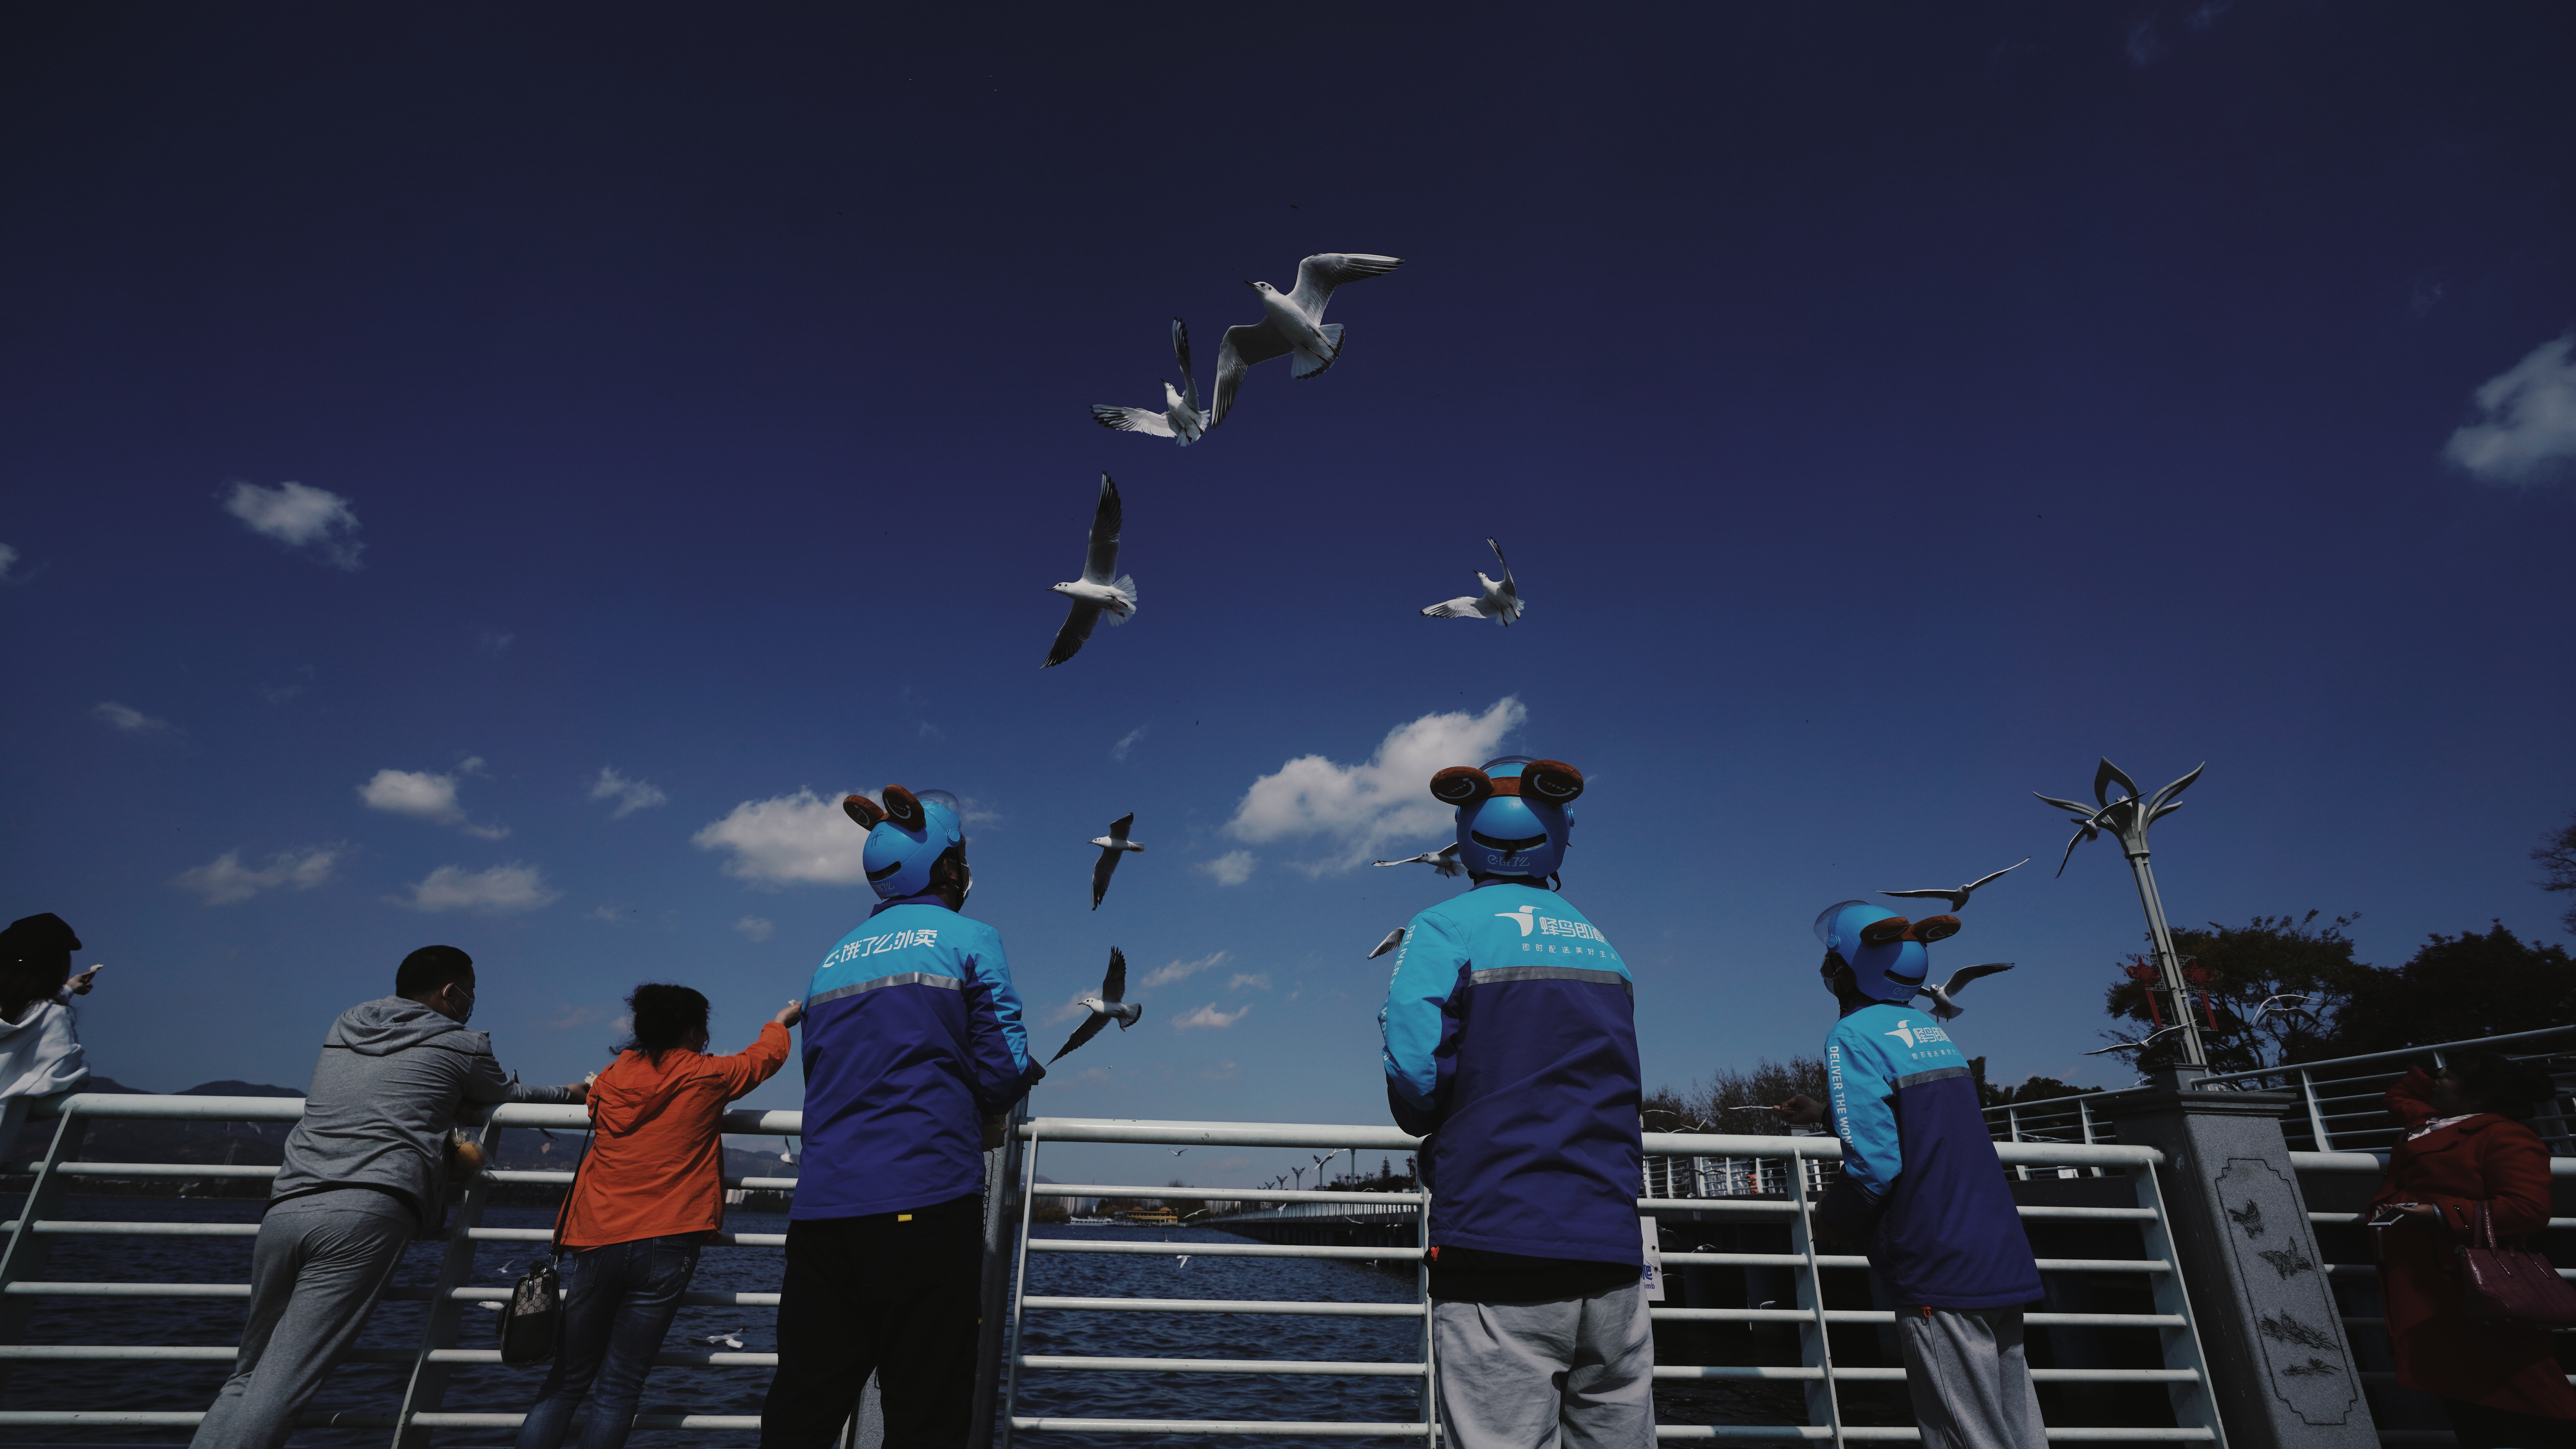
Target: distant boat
[(1088, 1222)]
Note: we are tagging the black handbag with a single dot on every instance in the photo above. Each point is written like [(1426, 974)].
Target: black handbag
[(532, 1321)]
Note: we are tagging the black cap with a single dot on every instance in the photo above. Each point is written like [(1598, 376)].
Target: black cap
[(40, 934)]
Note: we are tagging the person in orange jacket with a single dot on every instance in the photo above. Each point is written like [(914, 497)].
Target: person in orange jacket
[(650, 1191), (2466, 1148)]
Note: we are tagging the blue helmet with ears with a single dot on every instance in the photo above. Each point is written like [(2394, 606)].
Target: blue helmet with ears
[(906, 837), (1884, 950), (1512, 819)]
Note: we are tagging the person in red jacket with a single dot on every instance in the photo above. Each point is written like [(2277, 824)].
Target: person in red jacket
[(2466, 1148), (649, 1192)]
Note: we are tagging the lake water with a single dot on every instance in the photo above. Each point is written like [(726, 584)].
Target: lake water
[(377, 1388)]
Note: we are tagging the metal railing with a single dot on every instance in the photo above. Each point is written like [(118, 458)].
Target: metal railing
[(2340, 1107), (2183, 1373)]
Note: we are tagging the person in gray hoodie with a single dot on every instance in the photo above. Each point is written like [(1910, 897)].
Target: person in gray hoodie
[(365, 1170)]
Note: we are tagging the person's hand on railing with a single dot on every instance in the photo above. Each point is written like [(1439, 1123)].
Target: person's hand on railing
[(581, 1090), (790, 1014), (1802, 1109)]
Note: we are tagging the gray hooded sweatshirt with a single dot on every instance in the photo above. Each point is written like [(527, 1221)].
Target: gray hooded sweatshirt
[(385, 1095)]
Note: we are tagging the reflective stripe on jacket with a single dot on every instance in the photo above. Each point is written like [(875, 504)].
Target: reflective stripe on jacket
[(912, 1036), (1511, 1040)]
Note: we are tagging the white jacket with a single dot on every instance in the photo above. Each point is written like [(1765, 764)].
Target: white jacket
[(42, 1054)]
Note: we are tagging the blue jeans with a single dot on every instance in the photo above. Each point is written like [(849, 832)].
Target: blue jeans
[(618, 1303)]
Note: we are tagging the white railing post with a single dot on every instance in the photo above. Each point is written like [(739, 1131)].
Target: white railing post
[(1422, 1295), (2316, 1114), (2193, 1405), (25, 1255), (2084, 1118), (1815, 1344), (1019, 1289), (2012, 1117), (427, 1390), (1004, 1225)]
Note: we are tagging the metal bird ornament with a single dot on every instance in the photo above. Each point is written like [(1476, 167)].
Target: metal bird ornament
[(1112, 846), (1958, 898), (1105, 1006), (1943, 1006), (2127, 817)]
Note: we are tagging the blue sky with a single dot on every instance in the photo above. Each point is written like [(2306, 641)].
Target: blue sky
[(464, 477)]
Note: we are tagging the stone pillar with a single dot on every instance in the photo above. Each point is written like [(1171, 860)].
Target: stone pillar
[(2281, 1371)]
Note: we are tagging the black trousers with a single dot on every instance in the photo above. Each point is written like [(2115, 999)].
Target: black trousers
[(892, 1293), (2478, 1427)]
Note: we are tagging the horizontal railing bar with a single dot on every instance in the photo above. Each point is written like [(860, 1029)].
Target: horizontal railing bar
[(2370, 1271), (1223, 1305), (147, 1106), (1222, 1366), (546, 1235), (1326, 1430), (1218, 1250), (79, 1227), (2359, 1163), (700, 1298), (1897, 1375), (1881, 1315), (1782, 1205), (93, 1352), (1217, 1134), (2095, 1214), (2346, 1219), (334, 1419), (141, 1169), (1221, 1194), (1884, 1434), (1850, 1260)]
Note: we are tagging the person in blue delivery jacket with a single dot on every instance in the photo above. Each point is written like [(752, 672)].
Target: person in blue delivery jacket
[(1511, 1043), (913, 1040), (1921, 1189)]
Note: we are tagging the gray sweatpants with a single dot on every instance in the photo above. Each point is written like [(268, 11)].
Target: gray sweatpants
[(1969, 1380), (314, 1275), (1579, 1372)]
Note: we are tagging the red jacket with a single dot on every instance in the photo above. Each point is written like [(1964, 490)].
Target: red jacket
[(655, 1167), (2486, 1159)]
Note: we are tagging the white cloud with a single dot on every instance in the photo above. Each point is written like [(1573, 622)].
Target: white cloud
[(2527, 424), (297, 516), (1232, 868), (1242, 979), (607, 913), (1208, 1018), (1126, 742), (225, 880), (630, 795), (1359, 808), (126, 719), (424, 796), (1184, 970), (8, 561), (498, 891), (496, 642), (756, 928), (799, 839)]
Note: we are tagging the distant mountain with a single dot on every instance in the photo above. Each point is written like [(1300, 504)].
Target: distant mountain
[(229, 1088)]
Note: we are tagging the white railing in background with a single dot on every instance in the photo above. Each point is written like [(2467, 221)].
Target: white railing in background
[(2183, 1374), (423, 1406), (2340, 1107)]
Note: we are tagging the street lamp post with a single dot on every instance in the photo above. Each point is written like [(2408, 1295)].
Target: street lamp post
[(2128, 818)]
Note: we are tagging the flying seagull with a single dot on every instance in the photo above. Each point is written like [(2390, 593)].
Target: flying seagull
[(1105, 1005), (1500, 602), (1180, 416), (1393, 939), (2125, 1044), (1444, 861), (1943, 1006), (2272, 1006), (1958, 899), (1101, 589), (1112, 846), (1293, 322), (731, 1338)]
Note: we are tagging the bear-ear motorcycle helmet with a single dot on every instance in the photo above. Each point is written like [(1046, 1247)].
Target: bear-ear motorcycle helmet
[(1884, 950), (1512, 815), (906, 836)]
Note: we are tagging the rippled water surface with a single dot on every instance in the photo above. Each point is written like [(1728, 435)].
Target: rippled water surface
[(378, 1388)]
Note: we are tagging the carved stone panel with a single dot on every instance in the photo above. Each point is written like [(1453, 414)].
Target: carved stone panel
[(2293, 1310)]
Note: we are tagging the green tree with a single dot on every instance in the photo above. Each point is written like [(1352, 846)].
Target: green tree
[(2455, 988), (2557, 857), (1732, 1099), (2241, 967)]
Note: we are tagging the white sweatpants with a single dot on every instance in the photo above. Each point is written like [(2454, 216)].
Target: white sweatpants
[(1575, 1372), (1969, 1381)]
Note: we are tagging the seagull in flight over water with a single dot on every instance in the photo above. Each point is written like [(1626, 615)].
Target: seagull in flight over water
[(1180, 417), (1112, 846), (1105, 1006), (1293, 323), (1958, 899), (1500, 602), (731, 1338), (1943, 1007), (1443, 861), (1096, 592)]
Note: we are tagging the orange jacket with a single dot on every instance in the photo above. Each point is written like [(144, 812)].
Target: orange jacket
[(656, 1163)]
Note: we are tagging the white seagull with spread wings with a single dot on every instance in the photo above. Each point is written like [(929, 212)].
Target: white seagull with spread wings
[(1112, 846), (1293, 323), (1180, 417), (1943, 1006), (1443, 861), (1105, 1006), (1500, 602), (1393, 939), (1101, 589), (1958, 899)]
